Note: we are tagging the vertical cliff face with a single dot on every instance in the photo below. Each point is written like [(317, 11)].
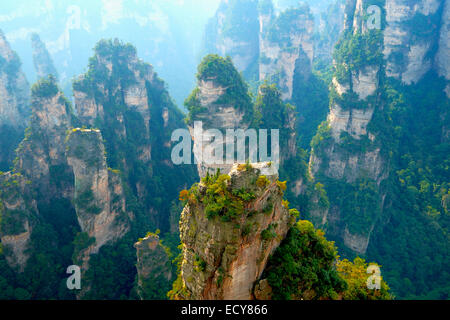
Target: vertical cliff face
[(153, 266), (18, 214), (356, 82), (225, 251), (331, 24), (116, 76), (443, 53), (286, 44), (98, 196), (14, 99), (42, 60), (233, 31)]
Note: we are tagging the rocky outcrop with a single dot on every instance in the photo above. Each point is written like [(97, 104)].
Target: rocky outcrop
[(351, 121), (14, 100), (223, 258), (153, 266), (99, 196), (42, 60), (349, 168), (226, 116)]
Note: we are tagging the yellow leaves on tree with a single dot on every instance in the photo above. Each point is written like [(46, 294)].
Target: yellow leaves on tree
[(184, 195), (282, 185), (262, 181)]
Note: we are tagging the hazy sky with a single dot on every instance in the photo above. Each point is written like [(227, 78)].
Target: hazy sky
[(167, 33)]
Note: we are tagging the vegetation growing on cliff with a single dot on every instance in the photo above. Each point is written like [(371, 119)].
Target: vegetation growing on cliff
[(304, 267), (45, 88), (353, 52), (415, 192), (286, 24)]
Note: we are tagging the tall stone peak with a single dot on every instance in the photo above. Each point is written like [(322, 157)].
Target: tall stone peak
[(409, 44), (59, 163), (353, 102), (42, 60), (115, 75), (43, 145), (5, 49)]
